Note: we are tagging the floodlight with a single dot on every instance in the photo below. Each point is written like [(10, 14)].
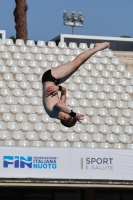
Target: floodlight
[(73, 19)]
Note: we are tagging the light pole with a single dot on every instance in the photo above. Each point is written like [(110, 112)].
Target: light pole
[(73, 20)]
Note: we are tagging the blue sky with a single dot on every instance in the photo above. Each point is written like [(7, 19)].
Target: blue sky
[(44, 17)]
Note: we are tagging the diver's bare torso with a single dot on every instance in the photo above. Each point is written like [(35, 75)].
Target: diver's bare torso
[(50, 101)]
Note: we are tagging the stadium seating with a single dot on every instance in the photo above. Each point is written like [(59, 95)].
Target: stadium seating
[(102, 89)]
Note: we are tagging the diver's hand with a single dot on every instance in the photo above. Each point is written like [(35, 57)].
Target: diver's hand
[(79, 117)]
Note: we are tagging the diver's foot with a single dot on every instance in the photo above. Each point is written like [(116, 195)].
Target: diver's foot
[(101, 46)]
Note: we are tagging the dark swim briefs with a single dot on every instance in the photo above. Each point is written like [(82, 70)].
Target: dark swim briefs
[(47, 76)]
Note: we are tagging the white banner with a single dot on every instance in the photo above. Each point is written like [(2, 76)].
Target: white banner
[(66, 163)]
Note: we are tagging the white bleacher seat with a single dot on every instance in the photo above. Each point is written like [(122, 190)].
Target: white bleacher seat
[(91, 111), (78, 128), (9, 42), (122, 121), (78, 80), (98, 137), (72, 45), (114, 112), (102, 111), (129, 129), (110, 67), (16, 109), (77, 144), (18, 135), (12, 126), (102, 95), (88, 66), (4, 134), (105, 145), (12, 84), (129, 146), (64, 144), (101, 80), (41, 44), (108, 103), (19, 42), (33, 117), (37, 85), (30, 43), (3, 108), (22, 63), (118, 146), (123, 82), (86, 120), (24, 49), (103, 128), (2, 48), (28, 109), (10, 100), (10, 62), (127, 113), (34, 50), (22, 100), (39, 109), (33, 63), (83, 46), (77, 52), (117, 74), (5, 92), (95, 88), (51, 143), (125, 97), (17, 92), (96, 120), (62, 45), (9, 142), (111, 138), (25, 126), (71, 58), (44, 135), (129, 89), (8, 77), (71, 137), (56, 51), (111, 81), (17, 56), (105, 61), (2, 84), (28, 56), (84, 103), (37, 143), (83, 87), (127, 75), (31, 135), (27, 70), (24, 84), (109, 54), (55, 64), (107, 88), (38, 71), (38, 126), (94, 73), (13, 49), (23, 143), (6, 55), (30, 92), (130, 104), (90, 95), (3, 126), (15, 69), (89, 80), (121, 68), (109, 120), (99, 67), (67, 52), (51, 44), (72, 102), (85, 137), (99, 54), (58, 136), (105, 74), (40, 57), (91, 145), (124, 138), (115, 61), (120, 104), (35, 101), (91, 128), (20, 117), (1, 62), (32, 77), (52, 127), (7, 117), (116, 129), (4, 69), (96, 103)]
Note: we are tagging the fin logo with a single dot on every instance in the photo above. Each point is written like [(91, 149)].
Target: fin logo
[(17, 161)]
